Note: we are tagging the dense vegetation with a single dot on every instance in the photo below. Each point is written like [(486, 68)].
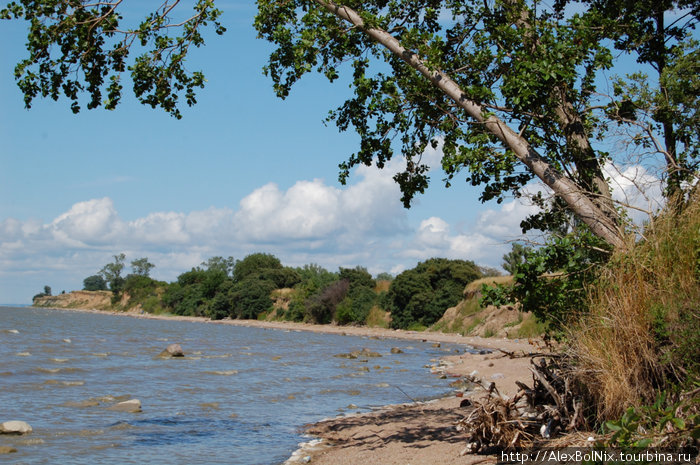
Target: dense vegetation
[(248, 288), (421, 295), (630, 321)]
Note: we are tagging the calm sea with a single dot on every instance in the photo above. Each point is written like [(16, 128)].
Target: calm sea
[(240, 396)]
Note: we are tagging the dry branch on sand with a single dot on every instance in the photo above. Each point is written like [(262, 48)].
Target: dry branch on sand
[(550, 407)]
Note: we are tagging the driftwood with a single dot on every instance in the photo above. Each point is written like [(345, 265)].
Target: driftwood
[(533, 414)]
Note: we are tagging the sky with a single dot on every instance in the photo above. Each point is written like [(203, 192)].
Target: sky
[(241, 172)]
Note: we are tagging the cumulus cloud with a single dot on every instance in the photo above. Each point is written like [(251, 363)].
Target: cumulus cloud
[(312, 211), (93, 221), (310, 222), (636, 189), (434, 238), (308, 210)]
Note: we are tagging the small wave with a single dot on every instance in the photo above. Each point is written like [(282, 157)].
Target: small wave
[(222, 372), (64, 383), (60, 370)]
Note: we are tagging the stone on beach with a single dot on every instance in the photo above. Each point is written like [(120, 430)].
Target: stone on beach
[(173, 350), (130, 406), (15, 427), (359, 353)]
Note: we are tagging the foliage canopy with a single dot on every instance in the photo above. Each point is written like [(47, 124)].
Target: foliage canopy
[(510, 89)]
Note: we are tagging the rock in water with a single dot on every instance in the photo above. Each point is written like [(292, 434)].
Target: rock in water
[(15, 427), (173, 350), (131, 406), (7, 450), (396, 350)]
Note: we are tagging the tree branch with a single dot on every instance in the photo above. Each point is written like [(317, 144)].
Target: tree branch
[(572, 194)]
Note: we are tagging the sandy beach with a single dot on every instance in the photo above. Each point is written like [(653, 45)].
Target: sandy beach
[(418, 433), (407, 434)]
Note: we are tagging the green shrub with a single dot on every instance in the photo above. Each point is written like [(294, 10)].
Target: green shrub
[(551, 281), (421, 295), (94, 283), (251, 297), (320, 308)]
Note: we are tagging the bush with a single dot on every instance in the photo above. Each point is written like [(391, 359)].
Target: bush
[(94, 283), (222, 304), (251, 297), (357, 277), (421, 295), (321, 308), (195, 291), (254, 264), (551, 281), (282, 277), (356, 306), (139, 287)]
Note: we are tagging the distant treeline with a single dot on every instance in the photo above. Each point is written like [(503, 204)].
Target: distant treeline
[(260, 287)]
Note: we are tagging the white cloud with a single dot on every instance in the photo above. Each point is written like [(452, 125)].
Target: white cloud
[(635, 188), (316, 214), (159, 228), (434, 238), (93, 221), (308, 210), (310, 222)]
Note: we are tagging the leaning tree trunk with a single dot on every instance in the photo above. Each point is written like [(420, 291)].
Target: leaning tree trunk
[(574, 196)]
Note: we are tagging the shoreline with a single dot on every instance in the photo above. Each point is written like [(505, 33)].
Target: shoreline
[(419, 433), (475, 342)]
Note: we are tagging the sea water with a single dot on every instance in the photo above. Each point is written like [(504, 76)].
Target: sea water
[(240, 396)]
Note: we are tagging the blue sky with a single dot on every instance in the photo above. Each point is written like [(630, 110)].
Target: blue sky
[(241, 172)]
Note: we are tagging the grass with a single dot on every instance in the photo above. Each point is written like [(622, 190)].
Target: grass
[(516, 322), (382, 286), (470, 326), (531, 327), (475, 286), (466, 309), (416, 327), (377, 318), (642, 334)]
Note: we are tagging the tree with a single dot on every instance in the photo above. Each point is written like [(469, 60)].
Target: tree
[(94, 283), (84, 47), (255, 263), (357, 277), (47, 292), (508, 88), (112, 273), (220, 263), (642, 28), (422, 294), (515, 257), (142, 267)]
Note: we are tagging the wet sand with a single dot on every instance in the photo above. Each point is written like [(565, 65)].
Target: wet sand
[(419, 433)]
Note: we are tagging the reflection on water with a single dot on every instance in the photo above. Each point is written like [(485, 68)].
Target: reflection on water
[(240, 396)]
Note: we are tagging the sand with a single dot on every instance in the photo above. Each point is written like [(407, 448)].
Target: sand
[(407, 434), (421, 433)]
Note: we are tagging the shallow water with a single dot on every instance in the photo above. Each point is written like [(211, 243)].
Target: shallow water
[(240, 396)]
